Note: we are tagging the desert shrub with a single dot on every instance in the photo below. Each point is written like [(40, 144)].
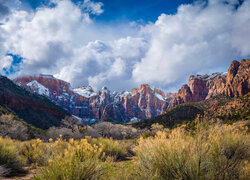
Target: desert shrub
[(79, 160), (115, 131), (12, 127), (67, 133), (211, 152), (90, 131), (9, 158), (117, 150), (36, 152), (148, 134)]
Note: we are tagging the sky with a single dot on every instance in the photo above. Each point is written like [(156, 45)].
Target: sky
[(122, 43)]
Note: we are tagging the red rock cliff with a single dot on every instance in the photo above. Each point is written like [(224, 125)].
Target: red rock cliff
[(234, 83)]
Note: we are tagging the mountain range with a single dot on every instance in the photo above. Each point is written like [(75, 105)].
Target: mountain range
[(144, 102)]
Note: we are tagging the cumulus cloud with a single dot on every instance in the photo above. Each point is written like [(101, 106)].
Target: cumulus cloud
[(200, 37), (105, 64), (65, 41)]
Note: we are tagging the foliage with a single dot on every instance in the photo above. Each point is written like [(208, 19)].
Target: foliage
[(10, 161), (197, 150), (212, 152), (117, 150), (77, 160)]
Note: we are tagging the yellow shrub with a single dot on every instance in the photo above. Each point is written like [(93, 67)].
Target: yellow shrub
[(9, 157), (79, 160), (214, 152)]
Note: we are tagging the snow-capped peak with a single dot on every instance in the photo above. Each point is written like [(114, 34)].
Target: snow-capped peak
[(38, 88), (124, 93), (85, 91), (212, 76)]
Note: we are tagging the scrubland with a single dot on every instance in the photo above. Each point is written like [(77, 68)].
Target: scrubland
[(205, 151)]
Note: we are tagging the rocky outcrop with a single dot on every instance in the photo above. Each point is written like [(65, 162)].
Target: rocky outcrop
[(238, 81), (141, 103), (234, 83)]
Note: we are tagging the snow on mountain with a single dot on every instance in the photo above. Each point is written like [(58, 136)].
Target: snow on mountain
[(38, 88), (159, 96), (85, 91), (142, 103), (124, 94), (212, 76)]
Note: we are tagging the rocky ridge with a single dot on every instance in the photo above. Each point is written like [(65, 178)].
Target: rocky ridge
[(234, 83), (140, 103), (144, 102)]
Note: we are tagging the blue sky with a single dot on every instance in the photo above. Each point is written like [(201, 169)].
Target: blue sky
[(122, 43), (127, 10)]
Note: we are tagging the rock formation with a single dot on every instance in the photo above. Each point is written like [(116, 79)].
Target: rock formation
[(141, 103), (234, 83)]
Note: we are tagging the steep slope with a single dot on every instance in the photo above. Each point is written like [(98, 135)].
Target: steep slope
[(142, 103), (33, 109), (234, 83)]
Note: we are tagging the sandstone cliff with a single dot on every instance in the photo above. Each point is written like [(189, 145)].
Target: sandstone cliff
[(234, 83), (142, 103)]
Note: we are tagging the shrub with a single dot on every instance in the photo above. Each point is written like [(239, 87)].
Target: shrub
[(117, 150), (212, 152), (35, 152), (10, 160), (115, 131), (80, 160)]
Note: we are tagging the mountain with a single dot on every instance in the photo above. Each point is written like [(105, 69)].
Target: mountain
[(224, 96), (140, 103), (144, 102), (234, 83), (33, 109)]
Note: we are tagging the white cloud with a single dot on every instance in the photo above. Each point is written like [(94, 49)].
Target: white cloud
[(66, 42), (5, 63), (93, 7), (105, 64), (200, 37)]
